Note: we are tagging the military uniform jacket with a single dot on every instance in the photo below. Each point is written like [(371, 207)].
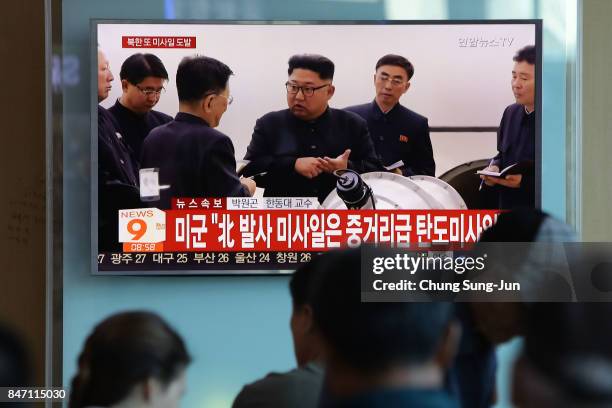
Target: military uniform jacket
[(114, 160), (400, 134), (280, 138), (193, 158), (117, 180)]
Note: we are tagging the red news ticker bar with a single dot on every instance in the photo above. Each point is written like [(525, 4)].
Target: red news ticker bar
[(318, 230), (153, 41)]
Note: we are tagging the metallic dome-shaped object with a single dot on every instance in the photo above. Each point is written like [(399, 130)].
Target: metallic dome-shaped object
[(392, 191), (443, 192)]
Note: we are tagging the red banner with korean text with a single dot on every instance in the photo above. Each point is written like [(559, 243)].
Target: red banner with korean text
[(318, 230), (155, 41)]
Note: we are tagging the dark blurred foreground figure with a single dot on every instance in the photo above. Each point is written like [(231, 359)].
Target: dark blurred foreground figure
[(485, 325), (15, 368), (131, 359), (567, 358), (14, 364), (300, 387), (380, 354)]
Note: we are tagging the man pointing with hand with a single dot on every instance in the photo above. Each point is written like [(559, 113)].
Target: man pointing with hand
[(299, 148)]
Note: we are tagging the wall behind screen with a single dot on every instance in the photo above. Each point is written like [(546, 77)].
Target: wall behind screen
[(447, 59)]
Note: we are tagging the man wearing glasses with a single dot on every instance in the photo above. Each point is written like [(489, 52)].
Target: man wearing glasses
[(299, 148), (195, 159), (142, 80), (398, 133)]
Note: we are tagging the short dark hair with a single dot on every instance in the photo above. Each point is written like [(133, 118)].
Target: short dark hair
[(122, 351), (303, 283), (371, 336), (526, 54), (313, 62), (198, 76), (518, 225), (398, 61), (139, 66)]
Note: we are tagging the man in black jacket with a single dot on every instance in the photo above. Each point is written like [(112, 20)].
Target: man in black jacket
[(398, 133), (142, 80), (299, 148), (192, 157), (117, 173), (516, 137)]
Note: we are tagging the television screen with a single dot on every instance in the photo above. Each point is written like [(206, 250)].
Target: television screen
[(292, 128)]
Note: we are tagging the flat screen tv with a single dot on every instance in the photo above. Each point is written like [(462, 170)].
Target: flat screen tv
[(461, 84)]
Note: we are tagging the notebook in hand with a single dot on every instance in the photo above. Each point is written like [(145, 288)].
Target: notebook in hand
[(516, 168)]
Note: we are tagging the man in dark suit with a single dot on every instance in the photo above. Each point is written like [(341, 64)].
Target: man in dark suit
[(397, 132), (299, 148), (117, 173), (193, 158), (516, 137), (142, 80)]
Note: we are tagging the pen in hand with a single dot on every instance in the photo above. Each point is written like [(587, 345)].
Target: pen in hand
[(482, 180), (257, 175)]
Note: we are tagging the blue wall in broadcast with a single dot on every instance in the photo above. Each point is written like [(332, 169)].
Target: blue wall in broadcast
[(237, 328)]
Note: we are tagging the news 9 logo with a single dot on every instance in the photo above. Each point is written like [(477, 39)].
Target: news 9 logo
[(141, 226)]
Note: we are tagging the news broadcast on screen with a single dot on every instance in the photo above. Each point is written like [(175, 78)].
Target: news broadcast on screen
[(249, 147)]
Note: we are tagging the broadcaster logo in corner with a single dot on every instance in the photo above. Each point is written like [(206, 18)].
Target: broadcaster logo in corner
[(142, 229)]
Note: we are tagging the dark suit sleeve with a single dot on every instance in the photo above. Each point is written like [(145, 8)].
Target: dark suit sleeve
[(363, 157), (497, 160), (220, 170), (421, 159), (260, 153)]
